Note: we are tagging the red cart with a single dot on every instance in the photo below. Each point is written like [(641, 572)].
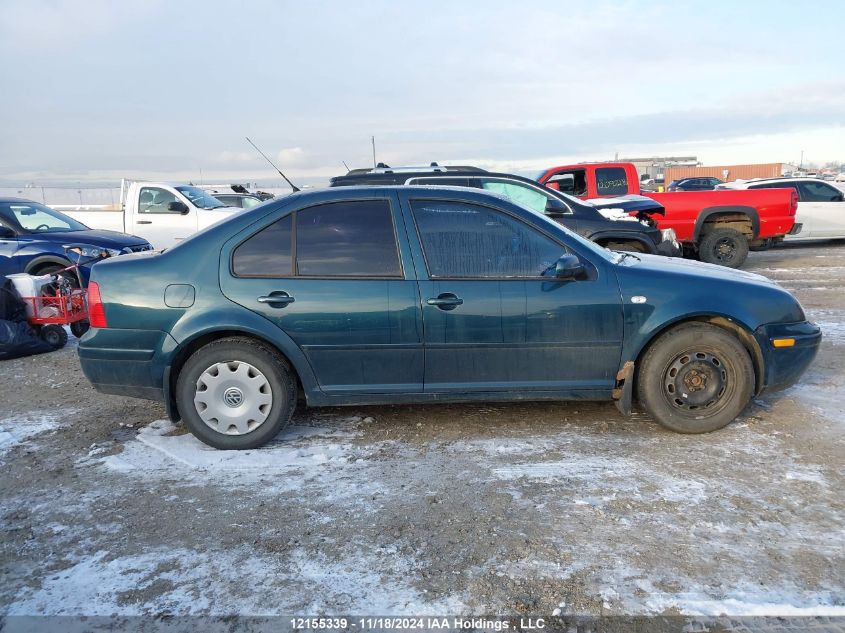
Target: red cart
[(47, 314)]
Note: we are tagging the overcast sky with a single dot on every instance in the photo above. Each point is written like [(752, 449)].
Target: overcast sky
[(96, 89)]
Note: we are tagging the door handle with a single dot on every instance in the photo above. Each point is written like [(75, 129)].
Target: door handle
[(278, 299), (445, 301), (143, 222)]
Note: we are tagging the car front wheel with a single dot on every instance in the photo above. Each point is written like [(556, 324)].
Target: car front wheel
[(236, 393), (695, 378)]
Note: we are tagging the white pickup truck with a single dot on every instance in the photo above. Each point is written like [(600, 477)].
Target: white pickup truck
[(163, 214)]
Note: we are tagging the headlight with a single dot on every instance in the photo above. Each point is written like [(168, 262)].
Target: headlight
[(95, 251), (669, 235)]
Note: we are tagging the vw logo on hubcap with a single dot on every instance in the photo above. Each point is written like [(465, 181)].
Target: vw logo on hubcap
[(233, 397)]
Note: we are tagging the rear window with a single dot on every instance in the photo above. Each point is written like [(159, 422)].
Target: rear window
[(611, 181)]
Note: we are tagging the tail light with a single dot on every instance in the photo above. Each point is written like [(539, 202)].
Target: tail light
[(96, 309), (793, 202)]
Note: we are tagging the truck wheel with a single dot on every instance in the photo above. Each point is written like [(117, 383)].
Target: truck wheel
[(695, 378), (54, 335), (725, 247), (236, 393)]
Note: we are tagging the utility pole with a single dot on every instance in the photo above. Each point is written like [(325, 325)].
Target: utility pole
[(801, 164), (374, 151)]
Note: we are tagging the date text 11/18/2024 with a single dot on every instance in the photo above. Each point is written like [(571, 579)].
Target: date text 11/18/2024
[(422, 623)]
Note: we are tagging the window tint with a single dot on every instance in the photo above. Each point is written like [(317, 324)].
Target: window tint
[(775, 185), (818, 192), (611, 181), (466, 240), (518, 192), (155, 200), (267, 253), (347, 239)]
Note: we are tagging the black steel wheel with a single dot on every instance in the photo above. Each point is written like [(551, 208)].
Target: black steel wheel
[(695, 378)]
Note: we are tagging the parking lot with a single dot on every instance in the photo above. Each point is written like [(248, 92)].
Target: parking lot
[(107, 508)]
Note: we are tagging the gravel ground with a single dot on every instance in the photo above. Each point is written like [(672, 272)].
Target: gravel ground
[(105, 508)]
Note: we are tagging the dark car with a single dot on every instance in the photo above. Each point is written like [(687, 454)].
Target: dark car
[(370, 295), (33, 238), (609, 222), (694, 184)]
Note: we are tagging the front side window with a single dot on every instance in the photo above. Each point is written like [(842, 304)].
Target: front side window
[(818, 192), (347, 239), (463, 240), (611, 181), (518, 192), (573, 182), (199, 198), (267, 253), (36, 218), (155, 200)]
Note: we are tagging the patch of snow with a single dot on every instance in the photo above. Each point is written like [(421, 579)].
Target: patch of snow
[(21, 428)]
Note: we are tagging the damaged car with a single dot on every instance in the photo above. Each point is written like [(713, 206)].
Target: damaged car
[(410, 294)]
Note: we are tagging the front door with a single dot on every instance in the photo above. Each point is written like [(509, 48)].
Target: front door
[(496, 318), (331, 277), (822, 206), (157, 223)]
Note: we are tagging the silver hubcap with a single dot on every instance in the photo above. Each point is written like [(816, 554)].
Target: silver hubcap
[(233, 398)]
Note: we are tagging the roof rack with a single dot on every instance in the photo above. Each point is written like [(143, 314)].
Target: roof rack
[(433, 167)]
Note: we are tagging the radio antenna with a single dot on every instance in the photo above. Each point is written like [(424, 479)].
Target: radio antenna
[(292, 186)]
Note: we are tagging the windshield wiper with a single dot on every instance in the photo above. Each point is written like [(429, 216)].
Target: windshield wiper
[(624, 254)]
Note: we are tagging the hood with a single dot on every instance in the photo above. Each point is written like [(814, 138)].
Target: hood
[(629, 203), (692, 269), (94, 237)]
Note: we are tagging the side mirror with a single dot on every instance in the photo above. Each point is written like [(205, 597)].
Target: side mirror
[(569, 267), (555, 207), (6, 232), (179, 207)]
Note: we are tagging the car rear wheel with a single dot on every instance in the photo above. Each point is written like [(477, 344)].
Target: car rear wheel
[(695, 378), (236, 393), (725, 247)]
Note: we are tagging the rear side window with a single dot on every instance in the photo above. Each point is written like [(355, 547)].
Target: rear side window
[(462, 240), (611, 181), (267, 253), (339, 239), (347, 239), (518, 192)]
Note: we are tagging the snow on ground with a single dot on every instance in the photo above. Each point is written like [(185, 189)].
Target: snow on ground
[(18, 429)]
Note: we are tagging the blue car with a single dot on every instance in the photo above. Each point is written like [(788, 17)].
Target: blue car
[(33, 239), (373, 295)]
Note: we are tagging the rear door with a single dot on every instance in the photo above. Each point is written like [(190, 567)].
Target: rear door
[(494, 318), (158, 224), (336, 278)]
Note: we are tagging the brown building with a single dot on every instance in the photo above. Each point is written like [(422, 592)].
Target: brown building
[(726, 172)]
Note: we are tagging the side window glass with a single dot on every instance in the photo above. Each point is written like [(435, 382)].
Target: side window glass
[(818, 192), (347, 239), (267, 253), (531, 198), (248, 203), (462, 240), (612, 181), (155, 200), (572, 182)]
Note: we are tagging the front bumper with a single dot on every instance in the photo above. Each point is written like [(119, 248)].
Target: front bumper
[(785, 365)]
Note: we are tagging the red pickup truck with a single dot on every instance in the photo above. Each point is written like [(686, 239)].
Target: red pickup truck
[(716, 226)]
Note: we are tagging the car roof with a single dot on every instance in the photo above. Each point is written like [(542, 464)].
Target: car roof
[(754, 181), (13, 199)]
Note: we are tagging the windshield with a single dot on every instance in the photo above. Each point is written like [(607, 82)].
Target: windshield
[(36, 218), (199, 198)]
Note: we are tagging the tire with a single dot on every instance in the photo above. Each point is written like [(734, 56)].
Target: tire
[(54, 335), (695, 378), (236, 393), (725, 247), (79, 328)]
